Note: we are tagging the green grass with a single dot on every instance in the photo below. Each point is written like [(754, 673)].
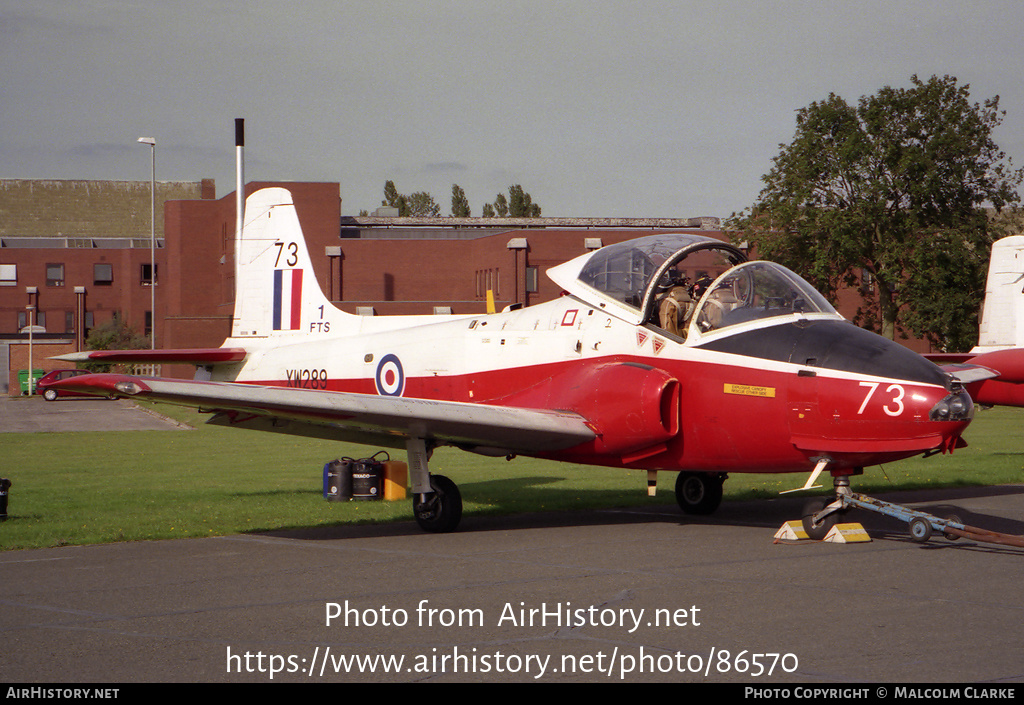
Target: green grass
[(83, 488)]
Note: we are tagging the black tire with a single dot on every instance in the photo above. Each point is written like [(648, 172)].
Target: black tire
[(818, 530), (699, 492), (920, 530), (50, 394), (956, 520), (441, 512)]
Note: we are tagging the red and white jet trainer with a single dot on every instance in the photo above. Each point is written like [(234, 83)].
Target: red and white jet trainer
[(763, 376)]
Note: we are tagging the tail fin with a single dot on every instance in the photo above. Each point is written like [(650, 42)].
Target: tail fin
[(1002, 315), (276, 291)]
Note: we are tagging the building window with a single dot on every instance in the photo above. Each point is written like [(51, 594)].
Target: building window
[(8, 275), (38, 319), (148, 270), (54, 275), (531, 280), (102, 274), (69, 322), (487, 280), (867, 283)]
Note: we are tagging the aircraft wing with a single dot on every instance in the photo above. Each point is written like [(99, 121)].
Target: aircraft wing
[(359, 418), (194, 356), (994, 378)]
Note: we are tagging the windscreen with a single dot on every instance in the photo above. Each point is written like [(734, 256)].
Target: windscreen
[(757, 290)]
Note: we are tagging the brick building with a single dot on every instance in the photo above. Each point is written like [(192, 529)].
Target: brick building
[(78, 251), (82, 249), (376, 265)]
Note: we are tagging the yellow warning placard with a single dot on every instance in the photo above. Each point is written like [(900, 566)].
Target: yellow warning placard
[(747, 390)]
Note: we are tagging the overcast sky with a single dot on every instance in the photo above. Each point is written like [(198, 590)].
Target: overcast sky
[(598, 108)]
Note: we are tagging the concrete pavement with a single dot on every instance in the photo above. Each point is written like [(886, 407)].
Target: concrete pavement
[(34, 415), (605, 596)]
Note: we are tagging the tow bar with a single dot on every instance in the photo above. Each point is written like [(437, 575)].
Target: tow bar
[(922, 524)]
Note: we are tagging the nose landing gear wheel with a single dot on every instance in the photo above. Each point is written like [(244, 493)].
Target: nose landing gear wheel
[(818, 529)]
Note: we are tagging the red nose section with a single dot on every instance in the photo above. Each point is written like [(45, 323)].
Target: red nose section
[(857, 423)]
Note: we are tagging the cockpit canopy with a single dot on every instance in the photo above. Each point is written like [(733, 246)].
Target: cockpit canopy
[(757, 290), (709, 281)]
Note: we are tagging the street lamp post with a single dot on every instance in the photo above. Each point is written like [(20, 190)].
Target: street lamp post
[(152, 240), (32, 376), (33, 305)]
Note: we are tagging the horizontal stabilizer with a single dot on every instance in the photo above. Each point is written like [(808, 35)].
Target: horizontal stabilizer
[(350, 416), (968, 374), (192, 356)]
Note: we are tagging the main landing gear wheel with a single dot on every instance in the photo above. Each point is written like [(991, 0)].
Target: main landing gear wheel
[(699, 492), (440, 511), (818, 529)]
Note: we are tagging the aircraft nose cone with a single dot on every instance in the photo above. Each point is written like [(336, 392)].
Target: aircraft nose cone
[(955, 406)]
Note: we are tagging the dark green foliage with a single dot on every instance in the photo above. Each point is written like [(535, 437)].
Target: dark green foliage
[(891, 195), (460, 204), (115, 334), (420, 204), (518, 204)]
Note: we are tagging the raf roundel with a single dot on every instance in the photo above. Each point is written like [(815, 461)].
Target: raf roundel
[(390, 377)]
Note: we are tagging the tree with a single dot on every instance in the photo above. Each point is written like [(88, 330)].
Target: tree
[(890, 194), (394, 199), (501, 206), (115, 334), (419, 204), (519, 204), (422, 205), (460, 204)]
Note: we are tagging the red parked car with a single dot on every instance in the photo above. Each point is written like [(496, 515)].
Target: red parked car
[(50, 378)]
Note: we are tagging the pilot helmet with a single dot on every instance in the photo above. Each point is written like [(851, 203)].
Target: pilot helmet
[(701, 285)]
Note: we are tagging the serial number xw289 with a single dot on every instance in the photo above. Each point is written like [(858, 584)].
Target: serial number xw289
[(307, 379)]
